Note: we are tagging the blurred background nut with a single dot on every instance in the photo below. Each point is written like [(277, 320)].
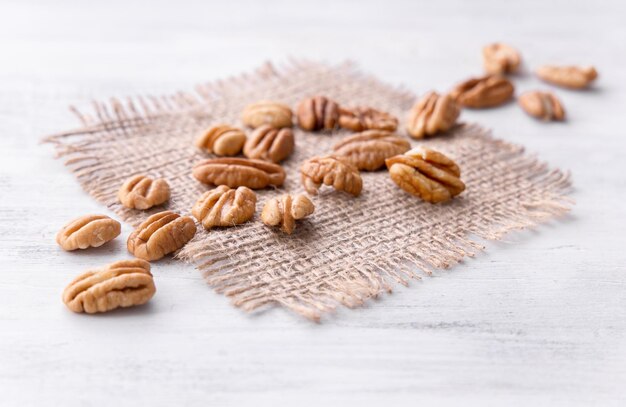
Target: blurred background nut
[(161, 234), (369, 149), (239, 172), (88, 231), (225, 207), (573, 77), (432, 114), (542, 105), (123, 284), (268, 143), (285, 210), (487, 91), (221, 139), (267, 112), (333, 171), (366, 118), (426, 174), (141, 192), (318, 113), (499, 58)]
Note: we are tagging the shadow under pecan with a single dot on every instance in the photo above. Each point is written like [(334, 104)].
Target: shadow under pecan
[(268, 143), (368, 150), (366, 118), (161, 234), (225, 207), (487, 91), (222, 140), (317, 113), (542, 105), (141, 192), (273, 114), (432, 114), (88, 231), (284, 210), (239, 172), (573, 77), (333, 171)]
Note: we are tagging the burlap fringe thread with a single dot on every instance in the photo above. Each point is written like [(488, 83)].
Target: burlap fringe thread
[(351, 249)]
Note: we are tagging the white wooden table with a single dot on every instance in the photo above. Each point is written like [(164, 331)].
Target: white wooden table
[(537, 320)]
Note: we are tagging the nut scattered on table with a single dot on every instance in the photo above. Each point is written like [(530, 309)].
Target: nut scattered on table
[(366, 118), (161, 234), (542, 105), (239, 172), (225, 207), (499, 58), (483, 92), (141, 192), (267, 112), (369, 150), (88, 231), (221, 139), (432, 114), (284, 210), (573, 77), (333, 171), (426, 174), (121, 284), (318, 113), (268, 143)]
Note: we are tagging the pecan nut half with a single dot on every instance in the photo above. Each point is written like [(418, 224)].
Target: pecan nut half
[(121, 284), (369, 150), (333, 171), (88, 231), (224, 207), (427, 174), (239, 172), (141, 192), (499, 58), (366, 118), (542, 105), (161, 234), (432, 114), (267, 112), (573, 77), (487, 91), (268, 143), (318, 113), (221, 139), (285, 210)]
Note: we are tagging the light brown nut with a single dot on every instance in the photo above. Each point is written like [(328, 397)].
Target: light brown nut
[(161, 234), (369, 149), (285, 210), (268, 143), (542, 105), (318, 113), (499, 58), (432, 114), (487, 91), (141, 192), (337, 172), (267, 112), (221, 139), (239, 172), (122, 284), (366, 118), (573, 77), (427, 174), (88, 231), (224, 207)]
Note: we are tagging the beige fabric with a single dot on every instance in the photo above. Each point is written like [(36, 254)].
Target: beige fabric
[(350, 249)]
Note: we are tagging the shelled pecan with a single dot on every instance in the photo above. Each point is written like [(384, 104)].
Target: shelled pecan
[(542, 105), (141, 192), (333, 171), (369, 149), (161, 234), (221, 139), (487, 91), (267, 112), (88, 231), (318, 113), (224, 207), (366, 118), (432, 114), (573, 77), (499, 58), (268, 143), (285, 210), (239, 172)]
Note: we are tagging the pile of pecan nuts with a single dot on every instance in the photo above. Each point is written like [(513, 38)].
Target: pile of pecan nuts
[(247, 162)]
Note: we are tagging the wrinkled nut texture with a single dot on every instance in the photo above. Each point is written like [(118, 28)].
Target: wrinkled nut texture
[(432, 114), (88, 231), (427, 174), (499, 58), (239, 172), (285, 210), (487, 91), (574, 77), (369, 150), (119, 285), (542, 105), (222, 139), (318, 113), (333, 171), (161, 234), (268, 143), (141, 192), (273, 114), (366, 118), (224, 207)]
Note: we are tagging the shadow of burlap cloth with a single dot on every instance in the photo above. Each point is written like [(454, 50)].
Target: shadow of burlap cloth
[(350, 249)]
